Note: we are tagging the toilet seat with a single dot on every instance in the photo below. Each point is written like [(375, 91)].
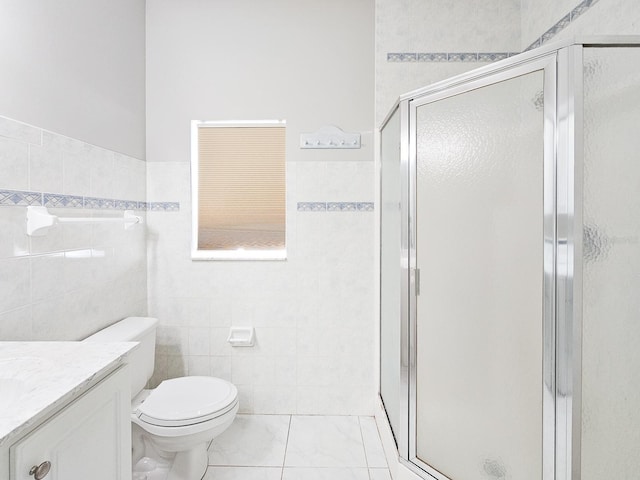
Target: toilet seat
[(180, 402)]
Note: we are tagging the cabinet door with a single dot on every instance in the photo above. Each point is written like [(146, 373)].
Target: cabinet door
[(88, 439)]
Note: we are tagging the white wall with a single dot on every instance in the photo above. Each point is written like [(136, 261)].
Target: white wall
[(310, 63), (76, 67), (74, 71)]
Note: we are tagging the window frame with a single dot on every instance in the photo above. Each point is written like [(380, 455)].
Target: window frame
[(238, 254)]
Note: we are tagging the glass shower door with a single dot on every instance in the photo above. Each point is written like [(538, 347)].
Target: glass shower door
[(482, 310), (391, 269), (610, 433)]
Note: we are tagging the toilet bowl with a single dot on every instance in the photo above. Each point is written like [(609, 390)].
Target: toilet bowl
[(172, 424), (178, 419)]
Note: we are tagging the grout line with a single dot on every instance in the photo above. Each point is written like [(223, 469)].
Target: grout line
[(29, 166), (384, 452), (208, 461), (366, 458), (286, 448)]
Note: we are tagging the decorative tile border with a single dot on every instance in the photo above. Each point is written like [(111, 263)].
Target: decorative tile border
[(163, 206), (365, 206), (54, 200), (20, 198), (312, 206), (335, 206), (563, 23), (341, 207), (63, 201), (452, 57), (412, 57), (432, 57), (99, 203), (126, 205), (12, 198), (402, 57)]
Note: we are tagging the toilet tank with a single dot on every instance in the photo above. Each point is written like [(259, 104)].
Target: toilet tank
[(141, 360)]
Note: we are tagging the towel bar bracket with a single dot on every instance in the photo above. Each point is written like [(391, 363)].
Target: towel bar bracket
[(39, 220)]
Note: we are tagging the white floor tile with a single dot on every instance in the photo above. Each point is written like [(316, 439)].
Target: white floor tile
[(252, 440), (293, 473), (243, 473), (325, 441), (372, 443), (379, 474)]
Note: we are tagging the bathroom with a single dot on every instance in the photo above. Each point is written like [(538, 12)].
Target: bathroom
[(102, 94)]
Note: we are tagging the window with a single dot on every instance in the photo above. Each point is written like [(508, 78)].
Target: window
[(238, 190)]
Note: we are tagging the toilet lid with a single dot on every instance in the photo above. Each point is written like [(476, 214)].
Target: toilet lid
[(187, 400)]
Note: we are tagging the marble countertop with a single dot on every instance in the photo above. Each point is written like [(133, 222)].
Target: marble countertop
[(38, 378)]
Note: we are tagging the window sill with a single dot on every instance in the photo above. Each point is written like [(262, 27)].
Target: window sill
[(242, 255)]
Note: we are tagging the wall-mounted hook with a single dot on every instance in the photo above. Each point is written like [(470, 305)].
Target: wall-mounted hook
[(330, 137)]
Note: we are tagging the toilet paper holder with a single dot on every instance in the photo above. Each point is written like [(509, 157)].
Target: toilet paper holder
[(241, 336)]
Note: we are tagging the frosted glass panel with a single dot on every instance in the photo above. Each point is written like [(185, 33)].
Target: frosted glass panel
[(480, 254), (611, 266), (390, 271)]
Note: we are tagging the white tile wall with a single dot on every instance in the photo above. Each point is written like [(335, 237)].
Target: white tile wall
[(14, 163), (540, 15), (327, 279), (430, 26), (494, 26), (78, 278), (313, 313), (603, 17)]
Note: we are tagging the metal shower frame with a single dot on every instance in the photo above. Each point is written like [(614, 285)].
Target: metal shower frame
[(562, 64)]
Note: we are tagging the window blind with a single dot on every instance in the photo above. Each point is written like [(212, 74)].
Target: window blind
[(241, 187)]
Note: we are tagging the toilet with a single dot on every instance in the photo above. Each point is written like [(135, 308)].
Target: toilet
[(173, 424)]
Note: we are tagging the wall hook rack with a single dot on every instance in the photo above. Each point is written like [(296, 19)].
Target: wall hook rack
[(330, 137), (39, 220)]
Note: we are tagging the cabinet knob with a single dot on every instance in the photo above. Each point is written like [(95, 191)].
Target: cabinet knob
[(40, 471)]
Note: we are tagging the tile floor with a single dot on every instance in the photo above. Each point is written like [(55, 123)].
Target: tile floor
[(298, 447)]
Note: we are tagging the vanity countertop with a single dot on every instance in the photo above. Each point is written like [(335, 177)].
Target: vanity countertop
[(38, 378)]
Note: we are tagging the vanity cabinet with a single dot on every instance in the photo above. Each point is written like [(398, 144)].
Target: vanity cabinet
[(88, 439)]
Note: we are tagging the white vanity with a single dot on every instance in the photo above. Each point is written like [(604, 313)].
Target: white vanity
[(64, 411)]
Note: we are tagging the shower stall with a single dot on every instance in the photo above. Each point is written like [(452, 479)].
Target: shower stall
[(510, 268)]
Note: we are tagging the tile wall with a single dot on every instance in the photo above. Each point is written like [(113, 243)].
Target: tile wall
[(421, 42), (79, 277), (413, 56), (569, 18), (313, 313)]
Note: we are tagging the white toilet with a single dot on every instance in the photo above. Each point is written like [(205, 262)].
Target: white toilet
[(172, 424)]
